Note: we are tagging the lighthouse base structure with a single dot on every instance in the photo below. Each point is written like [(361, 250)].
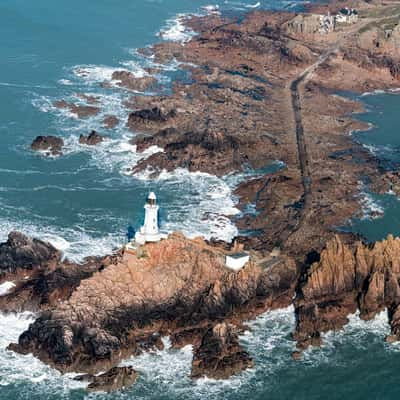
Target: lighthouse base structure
[(142, 238)]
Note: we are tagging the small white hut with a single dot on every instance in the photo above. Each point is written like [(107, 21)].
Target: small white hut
[(237, 261)]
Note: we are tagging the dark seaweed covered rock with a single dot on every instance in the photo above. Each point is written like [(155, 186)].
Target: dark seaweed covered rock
[(22, 252), (92, 139), (155, 114), (116, 378), (220, 355), (50, 145)]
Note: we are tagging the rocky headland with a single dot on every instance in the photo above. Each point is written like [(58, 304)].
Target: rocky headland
[(177, 287)]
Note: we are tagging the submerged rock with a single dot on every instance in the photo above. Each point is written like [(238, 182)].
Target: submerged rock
[(297, 355), (110, 121), (117, 378), (81, 111), (220, 355), (49, 145)]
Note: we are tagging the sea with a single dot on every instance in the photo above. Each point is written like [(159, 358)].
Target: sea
[(84, 201)]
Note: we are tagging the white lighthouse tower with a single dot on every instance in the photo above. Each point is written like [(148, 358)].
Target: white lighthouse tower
[(149, 232)]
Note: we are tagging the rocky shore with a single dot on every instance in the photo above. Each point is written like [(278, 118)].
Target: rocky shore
[(176, 287), (262, 88), (346, 278), (96, 314)]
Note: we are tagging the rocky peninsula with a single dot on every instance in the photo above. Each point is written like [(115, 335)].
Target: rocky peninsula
[(262, 88)]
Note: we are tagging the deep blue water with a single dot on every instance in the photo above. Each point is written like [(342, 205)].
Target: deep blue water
[(383, 140), (83, 201)]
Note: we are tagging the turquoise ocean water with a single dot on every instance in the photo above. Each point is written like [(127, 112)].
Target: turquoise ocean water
[(84, 201)]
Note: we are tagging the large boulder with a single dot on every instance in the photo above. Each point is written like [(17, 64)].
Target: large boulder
[(44, 288), (92, 139), (220, 355), (128, 80), (79, 110), (207, 151), (49, 145), (20, 252)]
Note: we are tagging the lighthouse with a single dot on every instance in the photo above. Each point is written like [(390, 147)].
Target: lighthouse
[(149, 232)]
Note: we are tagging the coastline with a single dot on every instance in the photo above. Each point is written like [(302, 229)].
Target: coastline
[(261, 192)]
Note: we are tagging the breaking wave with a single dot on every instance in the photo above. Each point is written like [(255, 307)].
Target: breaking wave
[(358, 334), (16, 369), (266, 340), (76, 244), (175, 30), (371, 207), (203, 208)]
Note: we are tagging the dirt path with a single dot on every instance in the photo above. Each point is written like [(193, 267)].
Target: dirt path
[(304, 161)]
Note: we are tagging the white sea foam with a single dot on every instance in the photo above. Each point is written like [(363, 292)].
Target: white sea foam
[(256, 5), (371, 208), (16, 368), (135, 67), (75, 242), (374, 92), (94, 73), (357, 333), (6, 287), (175, 30), (371, 148), (211, 9), (204, 207), (379, 149), (270, 331), (119, 155), (168, 370), (65, 82)]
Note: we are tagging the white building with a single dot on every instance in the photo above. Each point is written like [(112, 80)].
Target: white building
[(237, 261), (347, 16), (327, 23), (149, 232)]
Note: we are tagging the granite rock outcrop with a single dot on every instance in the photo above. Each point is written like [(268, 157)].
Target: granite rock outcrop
[(165, 288), (348, 277), (220, 355)]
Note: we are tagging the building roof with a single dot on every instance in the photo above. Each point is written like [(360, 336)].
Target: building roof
[(348, 11), (238, 255)]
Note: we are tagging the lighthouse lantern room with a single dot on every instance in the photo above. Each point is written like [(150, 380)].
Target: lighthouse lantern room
[(149, 232)]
